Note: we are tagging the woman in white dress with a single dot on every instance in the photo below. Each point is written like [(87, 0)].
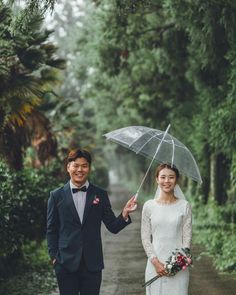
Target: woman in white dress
[(166, 226)]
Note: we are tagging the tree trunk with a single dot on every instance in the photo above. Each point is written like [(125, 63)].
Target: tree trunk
[(12, 149), (206, 174), (212, 176), (220, 175), (222, 178)]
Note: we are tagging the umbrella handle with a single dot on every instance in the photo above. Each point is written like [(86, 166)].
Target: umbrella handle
[(136, 196), (135, 205)]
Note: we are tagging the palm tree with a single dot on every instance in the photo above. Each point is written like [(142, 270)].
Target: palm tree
[(28, 73)]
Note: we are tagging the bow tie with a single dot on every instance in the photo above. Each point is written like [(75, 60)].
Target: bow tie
[(81, 189)]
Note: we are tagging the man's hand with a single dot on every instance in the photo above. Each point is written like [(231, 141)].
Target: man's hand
[(54, 261), (130, 206)]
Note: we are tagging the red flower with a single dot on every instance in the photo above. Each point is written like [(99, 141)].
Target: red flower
[(96, 200), (176, 262)]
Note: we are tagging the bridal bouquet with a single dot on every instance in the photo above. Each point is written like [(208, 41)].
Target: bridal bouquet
[(179, 260)]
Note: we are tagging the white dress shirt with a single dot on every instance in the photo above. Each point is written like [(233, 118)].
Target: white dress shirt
[(79, 199)]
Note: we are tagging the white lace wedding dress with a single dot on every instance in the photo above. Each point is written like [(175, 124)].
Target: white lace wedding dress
[(166, 227)]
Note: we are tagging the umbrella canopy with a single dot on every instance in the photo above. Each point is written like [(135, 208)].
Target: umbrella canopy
[(159, 146)]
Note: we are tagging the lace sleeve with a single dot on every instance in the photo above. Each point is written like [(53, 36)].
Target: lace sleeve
[(187, 227), (146, 231)]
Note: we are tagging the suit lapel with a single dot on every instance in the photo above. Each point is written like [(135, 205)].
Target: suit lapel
[(70, 202), (89, 201)]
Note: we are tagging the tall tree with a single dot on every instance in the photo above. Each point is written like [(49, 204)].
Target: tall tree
[(28, 74), (211, 70), (155, 62)]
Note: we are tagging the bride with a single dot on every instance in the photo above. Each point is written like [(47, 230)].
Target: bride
[(166, 226)]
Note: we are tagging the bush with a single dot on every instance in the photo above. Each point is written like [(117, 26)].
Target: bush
[(35, 274), (23, 201), (214, 227)]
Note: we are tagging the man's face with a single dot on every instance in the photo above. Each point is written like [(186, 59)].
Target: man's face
[(79, 170)]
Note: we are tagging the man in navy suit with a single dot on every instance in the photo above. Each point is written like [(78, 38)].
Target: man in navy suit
[(74, 216)]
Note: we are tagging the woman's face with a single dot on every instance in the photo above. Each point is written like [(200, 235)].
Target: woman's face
[(166, 180)]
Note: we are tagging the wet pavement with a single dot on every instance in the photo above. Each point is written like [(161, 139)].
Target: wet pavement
[(204, 279), (124, 256)]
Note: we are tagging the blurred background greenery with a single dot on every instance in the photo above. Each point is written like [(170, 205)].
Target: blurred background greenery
[(71, 71)]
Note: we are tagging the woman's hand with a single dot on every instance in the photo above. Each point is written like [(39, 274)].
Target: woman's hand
[(159, 266)]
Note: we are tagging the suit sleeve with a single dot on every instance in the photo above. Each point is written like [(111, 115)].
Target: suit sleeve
[(52, 227), (113, 224)]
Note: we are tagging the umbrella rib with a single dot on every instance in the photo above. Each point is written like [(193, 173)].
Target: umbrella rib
[(136, 139), (198, 172), (157, 150), (145, 143), (154, 136), (173, 151)]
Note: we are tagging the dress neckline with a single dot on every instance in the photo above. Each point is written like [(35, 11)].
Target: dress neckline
[(168, 204)]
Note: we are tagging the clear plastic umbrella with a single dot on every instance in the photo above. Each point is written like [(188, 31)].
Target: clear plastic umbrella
[(158, 146)]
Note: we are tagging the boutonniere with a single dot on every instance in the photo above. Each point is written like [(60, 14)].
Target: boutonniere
[(96, 200)]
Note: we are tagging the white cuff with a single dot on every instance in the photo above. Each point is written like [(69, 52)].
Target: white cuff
[(151, 257)]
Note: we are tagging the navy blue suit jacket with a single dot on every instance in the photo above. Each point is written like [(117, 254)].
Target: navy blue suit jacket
[(68, 239)]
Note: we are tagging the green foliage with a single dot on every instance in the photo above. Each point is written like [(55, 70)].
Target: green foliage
[(36, 254), (160, 62), (210, 68), (23, 200), (31, 8), (36, 274), (99, 174), (214, 227), (28, 72), (23, 53), (29, 283), (153, 63)]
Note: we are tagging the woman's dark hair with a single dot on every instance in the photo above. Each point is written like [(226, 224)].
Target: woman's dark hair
[(79, 153), (168, 166)]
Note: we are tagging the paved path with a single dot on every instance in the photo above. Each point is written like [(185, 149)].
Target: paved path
[(204, 280), (125, 262), (125, 259)]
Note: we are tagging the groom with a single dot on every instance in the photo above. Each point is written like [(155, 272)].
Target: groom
[(74, 215)]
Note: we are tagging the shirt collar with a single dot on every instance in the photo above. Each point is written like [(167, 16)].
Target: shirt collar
[(74, 186)]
